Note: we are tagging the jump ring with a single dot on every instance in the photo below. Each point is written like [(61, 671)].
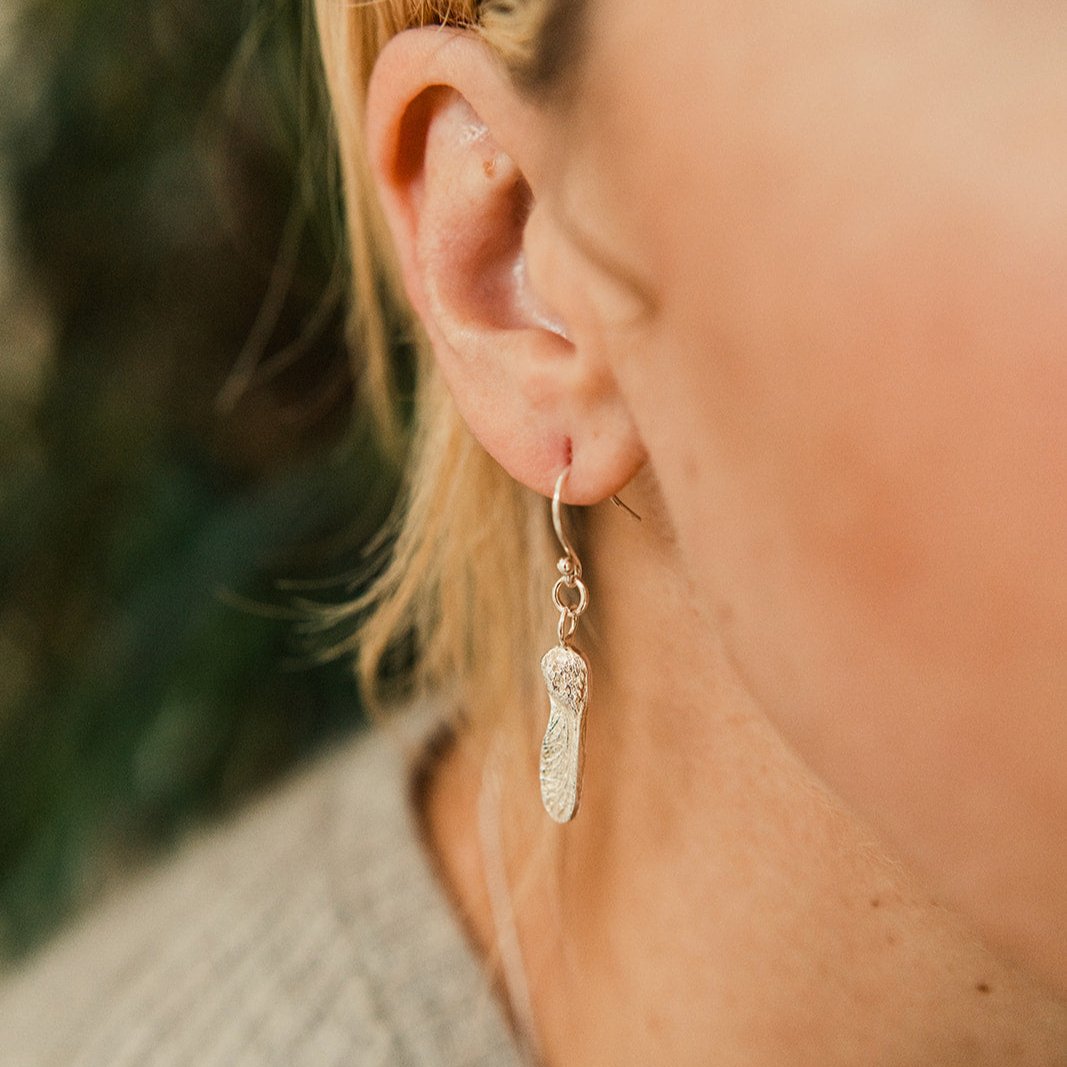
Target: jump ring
[(574, 609)]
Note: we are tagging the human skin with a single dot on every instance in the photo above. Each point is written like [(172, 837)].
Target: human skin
[(807, 266), (852, 386)]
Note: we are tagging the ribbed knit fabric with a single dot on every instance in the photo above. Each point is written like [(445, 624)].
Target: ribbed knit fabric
[(310, 931)]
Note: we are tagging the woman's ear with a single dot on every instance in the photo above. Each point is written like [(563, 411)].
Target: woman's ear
[(460, 157)]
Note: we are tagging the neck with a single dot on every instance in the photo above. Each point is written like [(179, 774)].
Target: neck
[(710, 894)]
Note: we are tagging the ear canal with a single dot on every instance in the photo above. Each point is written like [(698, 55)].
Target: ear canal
[(532, 304)]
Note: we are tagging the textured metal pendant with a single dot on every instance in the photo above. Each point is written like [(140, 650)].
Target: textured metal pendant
[(562, 750), (567, 678)]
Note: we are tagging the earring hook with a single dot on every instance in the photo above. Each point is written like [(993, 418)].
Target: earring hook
[(625, 507), (557, 516), (557, 521)]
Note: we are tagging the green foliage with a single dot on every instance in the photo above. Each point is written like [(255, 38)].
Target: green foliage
[(190, 440)]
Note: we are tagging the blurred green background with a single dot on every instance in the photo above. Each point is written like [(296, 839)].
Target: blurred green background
[(177, 431)]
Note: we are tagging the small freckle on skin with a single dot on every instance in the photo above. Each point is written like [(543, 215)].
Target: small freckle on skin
[(875, 902), (689, 467), (983, 987)]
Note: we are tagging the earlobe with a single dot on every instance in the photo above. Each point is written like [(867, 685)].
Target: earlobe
[(454, 150)]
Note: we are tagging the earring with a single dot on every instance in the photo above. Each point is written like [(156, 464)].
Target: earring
[(566, 674)]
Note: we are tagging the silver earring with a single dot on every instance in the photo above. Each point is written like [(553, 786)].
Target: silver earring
[(566, 675)]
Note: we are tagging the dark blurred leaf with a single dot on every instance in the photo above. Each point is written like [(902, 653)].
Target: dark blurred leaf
[(192, 442)]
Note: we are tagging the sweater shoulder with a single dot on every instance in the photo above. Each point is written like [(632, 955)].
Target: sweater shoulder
[(307, 929)]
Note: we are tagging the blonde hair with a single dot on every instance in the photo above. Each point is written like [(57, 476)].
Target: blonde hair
[(471, 550)]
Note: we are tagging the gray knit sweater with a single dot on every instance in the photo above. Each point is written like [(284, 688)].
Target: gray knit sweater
[(310, 931)]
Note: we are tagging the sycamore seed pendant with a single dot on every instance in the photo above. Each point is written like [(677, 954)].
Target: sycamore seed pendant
[(563, 750)]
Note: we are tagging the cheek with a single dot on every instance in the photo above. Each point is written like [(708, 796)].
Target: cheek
[(885, 556), (876, 514), (865, 362), (855, 400), (863, 349), (882, 456), (896, 460)]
